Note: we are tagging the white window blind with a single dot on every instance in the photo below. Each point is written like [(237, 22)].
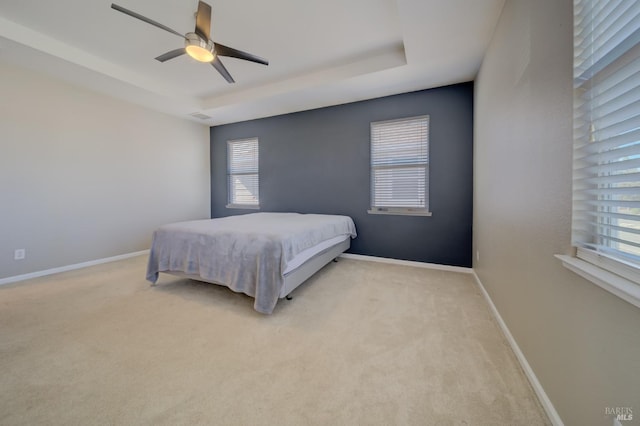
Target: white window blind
[(606, 186), (400, 166), (242, 173)]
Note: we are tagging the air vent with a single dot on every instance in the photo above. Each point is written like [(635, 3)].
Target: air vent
[(200, 116)]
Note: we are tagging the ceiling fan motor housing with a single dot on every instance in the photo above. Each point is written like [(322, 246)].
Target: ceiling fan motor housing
[(198, 48)]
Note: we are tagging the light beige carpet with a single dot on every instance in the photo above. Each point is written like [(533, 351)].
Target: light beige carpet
[(360, 343)]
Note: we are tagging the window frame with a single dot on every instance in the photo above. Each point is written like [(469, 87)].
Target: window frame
[(399, 210), (230, 193), (612, 270)]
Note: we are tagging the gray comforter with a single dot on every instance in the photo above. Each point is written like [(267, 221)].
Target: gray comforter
[(247, 253)]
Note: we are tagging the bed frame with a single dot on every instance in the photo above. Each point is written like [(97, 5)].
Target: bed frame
[(294, 278)]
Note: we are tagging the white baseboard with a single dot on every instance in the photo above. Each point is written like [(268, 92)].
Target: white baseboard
[(37, 274), (407, 263), (548, 407)]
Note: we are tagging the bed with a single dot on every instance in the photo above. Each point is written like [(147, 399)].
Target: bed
[(264, 255)]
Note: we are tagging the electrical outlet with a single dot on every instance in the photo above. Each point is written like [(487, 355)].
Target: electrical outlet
[(19, 254)]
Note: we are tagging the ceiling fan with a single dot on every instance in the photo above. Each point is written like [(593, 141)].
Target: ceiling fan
[(198, 44)]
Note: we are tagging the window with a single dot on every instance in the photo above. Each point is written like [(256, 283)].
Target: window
[(242, 173), (606, 181), (400, 166)]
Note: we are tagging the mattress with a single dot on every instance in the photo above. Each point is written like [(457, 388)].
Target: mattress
[(307, 254)]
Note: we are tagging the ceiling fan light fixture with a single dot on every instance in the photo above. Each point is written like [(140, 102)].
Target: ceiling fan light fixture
[(199, 49), (198, 44)]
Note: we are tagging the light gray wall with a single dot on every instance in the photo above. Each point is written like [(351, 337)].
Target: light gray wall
[(84, 176), (582, 342)]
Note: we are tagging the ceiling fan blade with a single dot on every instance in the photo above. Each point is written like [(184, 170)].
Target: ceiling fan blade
[(203, 20), (217, 64), (235, 53), (144, 19), (171, 54)]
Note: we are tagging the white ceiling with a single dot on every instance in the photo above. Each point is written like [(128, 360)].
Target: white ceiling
[(320, 52)]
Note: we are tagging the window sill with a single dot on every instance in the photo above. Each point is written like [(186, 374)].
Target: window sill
[(621, 287), (401, 212), (243, 206)]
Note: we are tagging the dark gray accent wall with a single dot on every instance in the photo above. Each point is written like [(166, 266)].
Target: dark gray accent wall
[(317, 161)]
